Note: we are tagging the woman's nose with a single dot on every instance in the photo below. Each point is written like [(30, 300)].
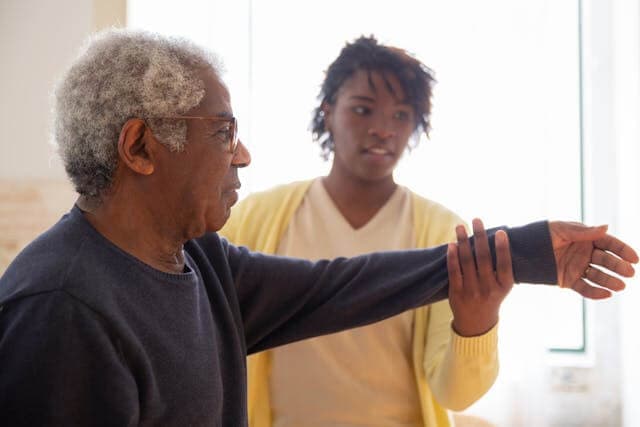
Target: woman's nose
[(381, 132)]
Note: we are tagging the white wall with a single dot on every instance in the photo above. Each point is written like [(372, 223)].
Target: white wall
[(38, 39)]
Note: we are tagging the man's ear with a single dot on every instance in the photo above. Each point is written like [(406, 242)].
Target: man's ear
[(134, 147)]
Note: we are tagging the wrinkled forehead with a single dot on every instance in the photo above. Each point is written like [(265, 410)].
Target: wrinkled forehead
[(216, 100)]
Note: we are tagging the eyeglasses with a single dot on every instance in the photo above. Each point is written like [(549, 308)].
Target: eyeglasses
[(230, 133)]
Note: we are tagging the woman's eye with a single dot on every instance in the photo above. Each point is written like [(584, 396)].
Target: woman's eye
[(401, 115), (361, 110)]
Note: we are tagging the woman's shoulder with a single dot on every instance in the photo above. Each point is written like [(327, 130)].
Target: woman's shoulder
[(283, 193), (261, 211), (433, 209), (434, 224)]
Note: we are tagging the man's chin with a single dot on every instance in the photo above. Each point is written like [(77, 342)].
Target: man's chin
[(228, 200), (225, 217), (232, 199)]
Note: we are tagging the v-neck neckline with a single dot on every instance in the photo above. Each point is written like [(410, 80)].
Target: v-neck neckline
[(325, 198)]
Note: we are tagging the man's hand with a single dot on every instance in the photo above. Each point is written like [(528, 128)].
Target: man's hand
[(475, 289), (584, 253)]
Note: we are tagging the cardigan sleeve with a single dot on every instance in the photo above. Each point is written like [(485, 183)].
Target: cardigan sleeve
[(457, 370)]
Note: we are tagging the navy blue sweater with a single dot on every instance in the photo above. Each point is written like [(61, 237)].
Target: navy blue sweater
[(90, 335)]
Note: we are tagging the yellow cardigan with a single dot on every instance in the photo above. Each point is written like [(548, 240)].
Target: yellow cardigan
[(259, 222)]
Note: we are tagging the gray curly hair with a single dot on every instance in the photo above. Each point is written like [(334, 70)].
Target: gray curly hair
[(120, 75)]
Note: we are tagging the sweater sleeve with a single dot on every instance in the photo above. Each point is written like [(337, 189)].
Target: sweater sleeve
[(90, 386), (285, 300), (459, 370), (456, 371)]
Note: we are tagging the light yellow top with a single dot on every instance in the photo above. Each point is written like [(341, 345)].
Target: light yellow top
[(450, 371), (358, 372)]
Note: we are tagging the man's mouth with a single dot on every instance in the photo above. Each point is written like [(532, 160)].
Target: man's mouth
[(232, 195), (234, 187)]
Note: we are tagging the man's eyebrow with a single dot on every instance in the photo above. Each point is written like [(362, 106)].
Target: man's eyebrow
[(224, 115)]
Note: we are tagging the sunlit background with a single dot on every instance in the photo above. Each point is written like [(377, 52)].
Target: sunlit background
[(535, 116)]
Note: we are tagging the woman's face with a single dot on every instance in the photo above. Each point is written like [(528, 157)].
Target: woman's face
[(370, 123)]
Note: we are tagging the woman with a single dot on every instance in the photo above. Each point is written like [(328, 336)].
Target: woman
[(403, 371)]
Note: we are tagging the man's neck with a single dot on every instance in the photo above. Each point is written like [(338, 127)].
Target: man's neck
[(134, 230)]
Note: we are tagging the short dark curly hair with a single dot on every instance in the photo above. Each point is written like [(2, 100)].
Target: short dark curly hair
[(365, 53)]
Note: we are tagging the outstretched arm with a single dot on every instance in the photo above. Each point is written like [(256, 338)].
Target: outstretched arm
[(586, 260), (285, 300)]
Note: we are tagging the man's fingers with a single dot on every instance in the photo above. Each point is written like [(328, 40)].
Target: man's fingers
[(601, 278), (578, 232), (453, 267), (504, 268), (588, 291), (618, 247), (484, 263), (612, 263)]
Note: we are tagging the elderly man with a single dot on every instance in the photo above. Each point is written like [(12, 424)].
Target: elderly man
[(131, 311)]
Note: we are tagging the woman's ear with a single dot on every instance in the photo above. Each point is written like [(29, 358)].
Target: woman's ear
[(326, 114), (134, 147)]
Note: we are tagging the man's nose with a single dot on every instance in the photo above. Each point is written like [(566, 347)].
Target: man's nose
[(241, 157)]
